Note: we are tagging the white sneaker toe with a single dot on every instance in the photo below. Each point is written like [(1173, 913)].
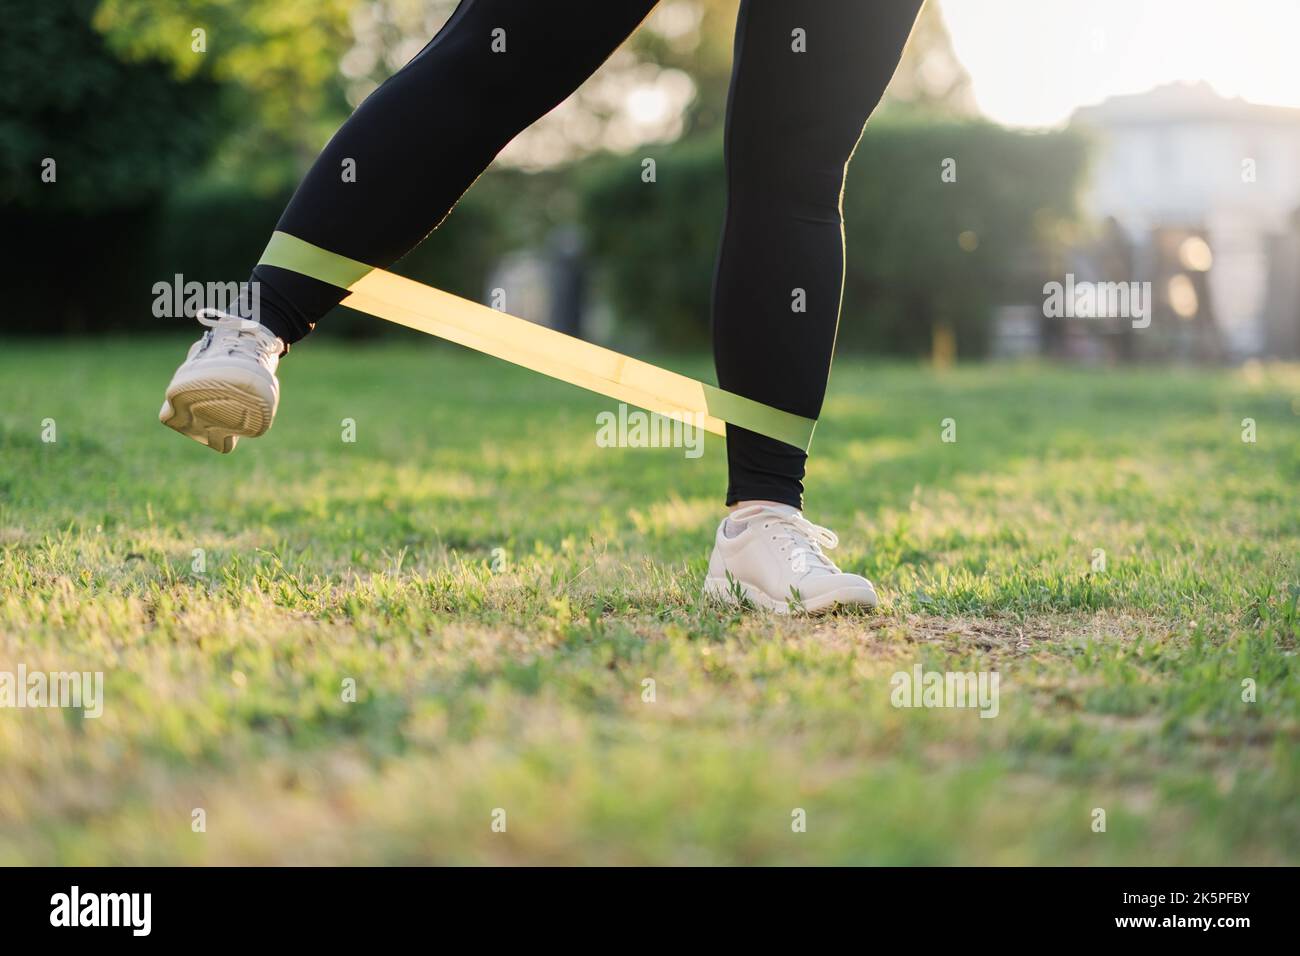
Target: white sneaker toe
[(826, 591)]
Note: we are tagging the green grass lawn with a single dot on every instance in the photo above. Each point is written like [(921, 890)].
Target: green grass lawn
[(500, 589)]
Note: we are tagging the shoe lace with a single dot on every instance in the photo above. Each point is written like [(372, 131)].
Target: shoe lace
[(239, 336), (808, 539)]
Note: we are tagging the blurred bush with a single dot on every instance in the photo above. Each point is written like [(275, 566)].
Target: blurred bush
[(652, 246), (101, 275), (922, 252)]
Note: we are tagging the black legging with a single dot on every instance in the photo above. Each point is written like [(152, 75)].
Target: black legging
[(796, 109)]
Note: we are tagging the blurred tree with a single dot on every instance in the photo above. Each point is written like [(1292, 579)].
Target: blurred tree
[(670, 77), (697, 37), (89, 145), (294, 69), (119, 133), (290, 70), (276, 59), (929, 77)]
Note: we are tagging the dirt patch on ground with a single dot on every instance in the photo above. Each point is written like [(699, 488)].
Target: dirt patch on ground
[(1001, 637)]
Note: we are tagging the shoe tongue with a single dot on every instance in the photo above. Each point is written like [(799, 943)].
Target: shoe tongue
[(739, 519)]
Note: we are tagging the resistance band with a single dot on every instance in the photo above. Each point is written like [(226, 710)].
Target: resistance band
[(484, 329)]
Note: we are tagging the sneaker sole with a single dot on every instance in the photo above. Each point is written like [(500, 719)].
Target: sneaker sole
[(720, 589), (217, 412)]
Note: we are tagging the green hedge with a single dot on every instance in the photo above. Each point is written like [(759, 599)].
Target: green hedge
[(653, 246), (89, 273)]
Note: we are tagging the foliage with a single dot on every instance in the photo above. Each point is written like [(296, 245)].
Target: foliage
[(120, 133), (279, 60), (924, 251), (655, 243)]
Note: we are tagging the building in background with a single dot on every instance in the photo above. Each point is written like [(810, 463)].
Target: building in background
[(1180, 163)]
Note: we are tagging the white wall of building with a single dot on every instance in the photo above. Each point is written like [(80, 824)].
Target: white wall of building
[(1174, 157)]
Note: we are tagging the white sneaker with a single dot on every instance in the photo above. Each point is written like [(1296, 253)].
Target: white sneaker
[(226, 387), (772, 556)]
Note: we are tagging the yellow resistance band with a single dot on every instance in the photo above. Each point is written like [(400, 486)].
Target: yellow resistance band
[(434, 312)]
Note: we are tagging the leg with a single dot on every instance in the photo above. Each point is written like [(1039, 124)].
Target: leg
[(416, 145), (425, 135), (793, 121)]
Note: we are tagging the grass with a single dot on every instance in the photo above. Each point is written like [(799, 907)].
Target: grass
[(500, 589)]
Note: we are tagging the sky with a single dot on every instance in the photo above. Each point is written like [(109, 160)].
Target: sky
[(1032, 62)]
